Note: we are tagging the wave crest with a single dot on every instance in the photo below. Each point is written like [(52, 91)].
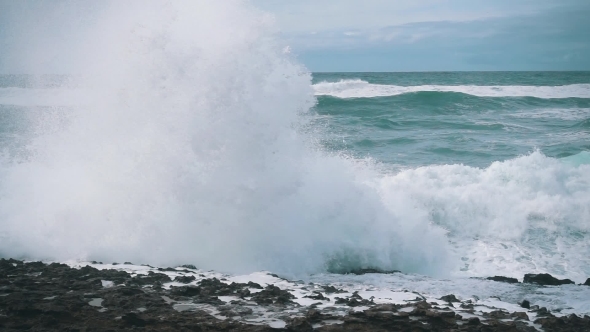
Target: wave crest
[(362, 89)]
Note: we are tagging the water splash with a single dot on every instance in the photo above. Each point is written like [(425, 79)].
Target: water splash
[(184, 146)]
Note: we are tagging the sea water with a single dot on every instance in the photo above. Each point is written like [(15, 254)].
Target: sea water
[(185, 132)]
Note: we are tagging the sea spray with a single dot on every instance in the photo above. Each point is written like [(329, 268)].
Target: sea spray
[(181, 144)]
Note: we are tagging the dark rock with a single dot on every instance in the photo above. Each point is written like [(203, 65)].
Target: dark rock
[(587, 283), (273, 295), (503, 279), (473, 321), (40, 297), (188, 291), (525, 304), (134, 320), (542, 312), (520, 315), (185, 279), (566, 323), (545, 279), (214, 286), (354, 300), (299, 324), (189, 266), (449, 298), (332, 290), (371, 270), (168, 269), (317, 296), (254, 285)]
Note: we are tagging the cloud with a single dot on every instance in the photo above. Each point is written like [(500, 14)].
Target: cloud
[(297, 16), (352, 33), (541, 40)]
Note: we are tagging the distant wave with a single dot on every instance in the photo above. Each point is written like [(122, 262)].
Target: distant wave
[(363, 89)]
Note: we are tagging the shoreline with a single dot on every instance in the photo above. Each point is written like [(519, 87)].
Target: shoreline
[(37, 296)]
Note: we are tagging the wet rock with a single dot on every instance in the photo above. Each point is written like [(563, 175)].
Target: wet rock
[(39, 297), (542, 312), (525, 304), (216, 287), (545, 279), (332, 290), (168, 269), (133, 319), (449, 298), (385, 307), (473, 321), (562, 324), (520, 315), (354, 300), (497, 314), (149, 279), (187, 291), (317, 296), (441, 314), (503, 279), (273, 295), (370, 270), (299, 324), (587, 283), (254, 285), (189, 266), (185, 279)]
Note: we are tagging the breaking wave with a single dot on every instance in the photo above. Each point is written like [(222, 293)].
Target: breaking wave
[(185, 147)]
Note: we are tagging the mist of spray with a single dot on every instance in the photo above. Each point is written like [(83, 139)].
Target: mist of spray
[(182, 143)]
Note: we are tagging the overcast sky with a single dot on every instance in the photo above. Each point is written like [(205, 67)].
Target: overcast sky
[(435, 35)]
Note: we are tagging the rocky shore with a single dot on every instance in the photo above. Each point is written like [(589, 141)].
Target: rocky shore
[(36, 296)]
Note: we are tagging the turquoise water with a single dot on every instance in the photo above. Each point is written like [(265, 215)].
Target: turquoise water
[(369, 115), (548, 111)]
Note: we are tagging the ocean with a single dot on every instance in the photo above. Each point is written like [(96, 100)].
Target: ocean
[(167, 147), (469, 118)]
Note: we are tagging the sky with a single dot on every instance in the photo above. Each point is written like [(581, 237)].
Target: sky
[(386, 35), (435, 35)]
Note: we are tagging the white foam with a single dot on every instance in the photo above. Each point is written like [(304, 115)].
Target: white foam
[(526, 215), (567, 114), (362, 89), (107, 283)]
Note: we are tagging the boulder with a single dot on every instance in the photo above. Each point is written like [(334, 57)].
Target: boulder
[(545, 279), (503, 279), (449, 298), (185, 279)]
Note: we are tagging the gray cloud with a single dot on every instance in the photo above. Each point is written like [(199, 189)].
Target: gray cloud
[(551, 40)]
